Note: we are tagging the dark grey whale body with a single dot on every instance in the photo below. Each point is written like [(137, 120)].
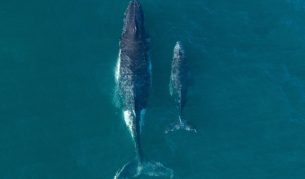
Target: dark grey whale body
[(178, 86), (133, 79), (134, 76)]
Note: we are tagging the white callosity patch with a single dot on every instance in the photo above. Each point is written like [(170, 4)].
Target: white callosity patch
[(128, 120)]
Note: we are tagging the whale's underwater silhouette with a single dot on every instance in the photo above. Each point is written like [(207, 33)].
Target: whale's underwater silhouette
[(133, 81), (178, 86)]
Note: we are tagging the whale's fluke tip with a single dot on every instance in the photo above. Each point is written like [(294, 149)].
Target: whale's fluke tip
[(135, 168), (180, 125)]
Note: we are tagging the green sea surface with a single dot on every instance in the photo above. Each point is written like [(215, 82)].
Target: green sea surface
[(246, 99)]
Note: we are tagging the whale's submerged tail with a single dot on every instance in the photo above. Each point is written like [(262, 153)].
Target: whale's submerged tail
[(180, 125), (135, 168)]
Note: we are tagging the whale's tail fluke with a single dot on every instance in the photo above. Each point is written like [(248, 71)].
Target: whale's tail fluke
[(180, 125), (135, 168)]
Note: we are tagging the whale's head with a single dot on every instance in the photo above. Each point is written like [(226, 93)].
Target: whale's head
[(134, 20), (178, 50)]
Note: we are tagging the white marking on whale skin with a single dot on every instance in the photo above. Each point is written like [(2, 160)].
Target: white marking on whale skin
[(143, 111), (117, 67), (128, 120), (128, 117)]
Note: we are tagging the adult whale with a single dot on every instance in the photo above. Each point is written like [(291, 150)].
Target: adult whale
[(133, 79), (178, 87)]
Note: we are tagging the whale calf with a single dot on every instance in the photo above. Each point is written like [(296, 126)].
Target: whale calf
[(178, 86), (133, 81)]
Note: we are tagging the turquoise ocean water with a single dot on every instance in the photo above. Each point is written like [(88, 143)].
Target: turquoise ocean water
[(247, 94)]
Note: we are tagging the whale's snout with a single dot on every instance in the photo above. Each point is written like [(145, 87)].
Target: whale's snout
[(134, 18), (178, 50), (135, 3)]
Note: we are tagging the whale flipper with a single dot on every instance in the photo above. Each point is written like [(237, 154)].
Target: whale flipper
[(134, 168)]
